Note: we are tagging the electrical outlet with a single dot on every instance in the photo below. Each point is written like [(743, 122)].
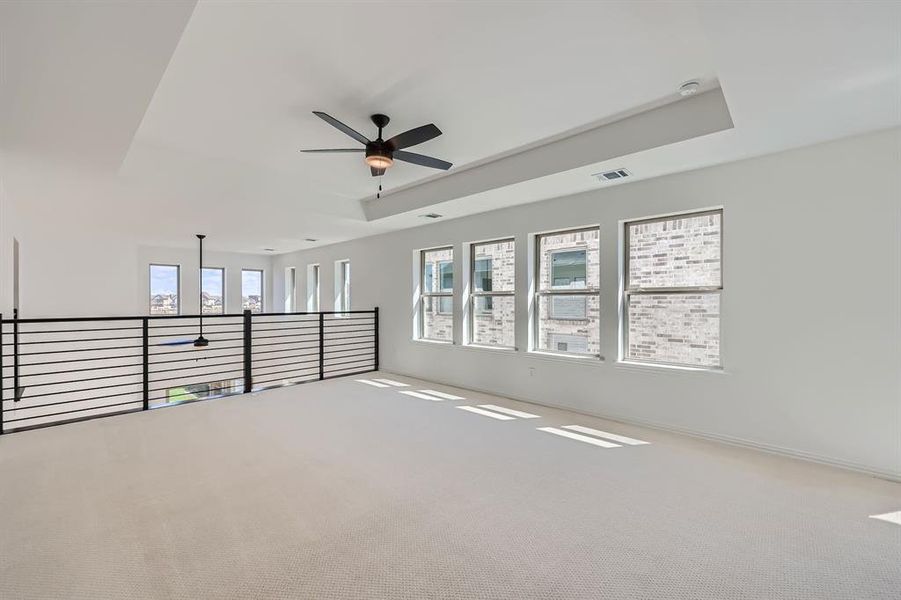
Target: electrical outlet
[(531, 371)]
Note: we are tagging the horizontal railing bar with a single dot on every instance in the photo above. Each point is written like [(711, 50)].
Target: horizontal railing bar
[(257, 327), (365, 346), (311, 369), (89, 389), (313, 376), (194, 349), (76, 341), (314, 346), (169, 317), (332, 374), (171, 335), (353, 337), (355, 366), (339, 319), (237, 339), (313, 354), (67, 412), (81, 350), (22, 375), (33, 385), (275, 337), (72, 330), (206, 366), (282, 344), (193, 325), (349, 362), (341, 333), (20, 407), (351, 373), (238, 369), (287, 364), (71, 360), (176, 360)]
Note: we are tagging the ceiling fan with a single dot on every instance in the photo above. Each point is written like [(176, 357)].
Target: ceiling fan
[(381, 154)]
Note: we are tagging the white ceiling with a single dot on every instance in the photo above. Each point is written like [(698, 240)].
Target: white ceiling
[(215, 139)]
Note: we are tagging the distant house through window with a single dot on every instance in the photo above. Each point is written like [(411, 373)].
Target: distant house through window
[(212, 291), (252, 290), (164, 289)]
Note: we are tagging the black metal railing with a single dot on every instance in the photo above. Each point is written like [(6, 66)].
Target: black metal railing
[(60, 370)]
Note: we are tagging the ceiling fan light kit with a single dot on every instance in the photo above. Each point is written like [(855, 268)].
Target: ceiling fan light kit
[(380, 154)]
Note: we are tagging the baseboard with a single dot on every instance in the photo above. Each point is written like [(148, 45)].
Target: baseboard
[(704, 435)]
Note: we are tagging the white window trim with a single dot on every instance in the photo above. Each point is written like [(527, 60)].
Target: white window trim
[(262, 273), (535, 293), (472, 295), (222, 269), (150, 286), (421, 294)]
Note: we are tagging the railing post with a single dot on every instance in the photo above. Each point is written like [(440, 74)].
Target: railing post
[(17, 391), (145, 334), (1, 373), (321, 346), (248, 348), (376, 336)]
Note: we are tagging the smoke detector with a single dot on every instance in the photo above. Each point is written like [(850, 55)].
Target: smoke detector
[(612, 175), (689, 88)]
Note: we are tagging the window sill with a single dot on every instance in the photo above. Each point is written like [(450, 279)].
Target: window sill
[(432, 342), (488, 348), (573, 359), (663, 368)]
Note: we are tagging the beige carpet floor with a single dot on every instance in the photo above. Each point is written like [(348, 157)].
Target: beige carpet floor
[(341, 490)]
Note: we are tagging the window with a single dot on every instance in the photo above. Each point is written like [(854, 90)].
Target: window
[(164, 289), (567, 298), (313, 288), (290, 290), (492, 316), (252, 290), (212, 291), (342, 285), (436, 312), (674, 278)]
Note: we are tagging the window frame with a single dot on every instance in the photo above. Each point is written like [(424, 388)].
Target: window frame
[(550, 293), (222, 287), (342, 287), (425, 295), (474, 295), (314, 272), (150, 287), (262, 273), (628, 292)]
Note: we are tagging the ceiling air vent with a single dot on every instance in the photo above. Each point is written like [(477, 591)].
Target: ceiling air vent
[(431, 216), (612, 175)]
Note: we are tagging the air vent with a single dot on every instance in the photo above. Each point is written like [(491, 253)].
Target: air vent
[(612, 175), (310, 240), (431, 216)]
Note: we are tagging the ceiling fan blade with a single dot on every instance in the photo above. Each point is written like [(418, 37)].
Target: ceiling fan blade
[(414, 136), (376, 172), (335, 150), (421, 159), (341, 126)]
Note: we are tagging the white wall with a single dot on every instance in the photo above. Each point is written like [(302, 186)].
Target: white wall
[(811, 323)]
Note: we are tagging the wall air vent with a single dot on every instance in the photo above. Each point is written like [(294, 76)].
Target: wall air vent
[(612, 175), (431, 216)]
